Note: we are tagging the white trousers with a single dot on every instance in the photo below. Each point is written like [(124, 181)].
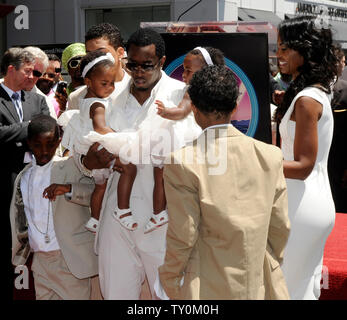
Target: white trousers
[(125, 257)]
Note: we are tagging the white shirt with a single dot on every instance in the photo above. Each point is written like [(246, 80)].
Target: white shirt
[(133, 107), (217, 126), (37, 208)]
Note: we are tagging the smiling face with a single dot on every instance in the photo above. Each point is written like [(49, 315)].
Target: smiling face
[(191, 64), (46, 82), (144, 80), (101, 81), (43, 146), (341, 66), (288, 59)]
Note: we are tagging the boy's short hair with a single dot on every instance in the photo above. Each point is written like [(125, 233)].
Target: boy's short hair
[(214, 89), (42, 124), (105, 30)]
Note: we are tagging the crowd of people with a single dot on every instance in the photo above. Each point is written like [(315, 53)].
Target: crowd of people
[(113, 183)]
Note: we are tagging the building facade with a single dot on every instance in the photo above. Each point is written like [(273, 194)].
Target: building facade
[(53, 24)]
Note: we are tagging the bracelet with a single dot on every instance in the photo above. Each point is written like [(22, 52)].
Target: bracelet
[(83, 169)]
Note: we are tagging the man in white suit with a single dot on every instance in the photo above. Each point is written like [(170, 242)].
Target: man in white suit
[(126, 257)]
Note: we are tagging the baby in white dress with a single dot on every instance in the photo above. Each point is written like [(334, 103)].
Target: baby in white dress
[(90, 122), (99, 73)]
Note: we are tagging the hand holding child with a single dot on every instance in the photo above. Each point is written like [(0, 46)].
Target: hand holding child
[(55, 190)]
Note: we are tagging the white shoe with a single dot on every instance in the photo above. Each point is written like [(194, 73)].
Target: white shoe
[(127, 222), (92, 225), (160, 219)]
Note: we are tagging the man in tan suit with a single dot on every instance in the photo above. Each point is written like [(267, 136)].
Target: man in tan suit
[(227, 205), (64, 258)]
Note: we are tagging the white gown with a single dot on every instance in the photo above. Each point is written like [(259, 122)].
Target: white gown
[(152, 142), (310, 204), (77, 124)]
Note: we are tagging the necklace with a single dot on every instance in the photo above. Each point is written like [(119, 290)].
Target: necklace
[(46, 235)]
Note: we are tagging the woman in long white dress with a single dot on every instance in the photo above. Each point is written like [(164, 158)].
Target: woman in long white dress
[(306, 51)]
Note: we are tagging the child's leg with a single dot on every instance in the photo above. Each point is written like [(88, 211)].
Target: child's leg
[(159, 216), (95, 206), (96, 200), (125, 184), (159, 199)]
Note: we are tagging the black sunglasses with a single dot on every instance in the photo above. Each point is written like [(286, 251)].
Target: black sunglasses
[(37, 73), (74, 63), (50, 75), (57, 70), (132, 66)]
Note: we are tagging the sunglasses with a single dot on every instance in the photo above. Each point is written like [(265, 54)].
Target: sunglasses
[(132, 66), (57, 70), (50, 75), (74, 63), (37, 73)]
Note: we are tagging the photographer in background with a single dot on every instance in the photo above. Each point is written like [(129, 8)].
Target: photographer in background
[(48, 84), (71, 59)]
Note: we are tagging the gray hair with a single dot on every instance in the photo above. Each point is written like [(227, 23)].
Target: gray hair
[(15, 57), (39, 55)]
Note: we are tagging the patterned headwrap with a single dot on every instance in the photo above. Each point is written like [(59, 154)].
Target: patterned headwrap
[(72, 51)]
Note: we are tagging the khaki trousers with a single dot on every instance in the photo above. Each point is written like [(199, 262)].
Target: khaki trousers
[(54, 281)]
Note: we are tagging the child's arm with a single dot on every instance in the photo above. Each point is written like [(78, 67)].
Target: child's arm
[(97, 114), (55, 190), (177, 113)]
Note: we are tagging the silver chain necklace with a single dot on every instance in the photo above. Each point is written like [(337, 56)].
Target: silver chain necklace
[(46, 236)]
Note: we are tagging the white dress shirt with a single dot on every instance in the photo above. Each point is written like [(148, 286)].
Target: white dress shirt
[(37, 208)]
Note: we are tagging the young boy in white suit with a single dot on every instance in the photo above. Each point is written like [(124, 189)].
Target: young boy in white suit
[(47, 223)]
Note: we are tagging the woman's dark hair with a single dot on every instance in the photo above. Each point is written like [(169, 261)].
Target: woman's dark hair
[(216, 55), (89, 57), (316, 47), (213, 89), (146, 36)]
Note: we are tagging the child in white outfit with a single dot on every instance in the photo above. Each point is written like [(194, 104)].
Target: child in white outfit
[(99, 74)]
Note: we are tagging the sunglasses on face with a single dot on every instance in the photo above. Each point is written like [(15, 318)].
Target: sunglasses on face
[(37, 73), (49, 75), (74, 63), (57, 70), (132, 66)]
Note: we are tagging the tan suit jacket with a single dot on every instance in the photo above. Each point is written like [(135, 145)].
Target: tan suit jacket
[(76, 243), (228, 228)]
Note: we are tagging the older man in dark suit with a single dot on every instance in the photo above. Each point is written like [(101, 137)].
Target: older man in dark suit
[(17, 108)]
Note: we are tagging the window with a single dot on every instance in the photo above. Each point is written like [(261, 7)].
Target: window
[(127, 19)]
